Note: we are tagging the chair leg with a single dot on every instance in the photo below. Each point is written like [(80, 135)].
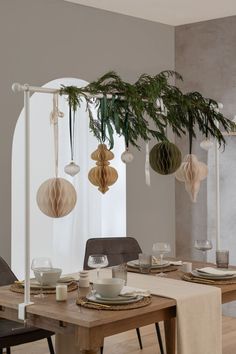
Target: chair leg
[(50, 345), (101, 350), (8, 350), (159, 338), (139, 338)]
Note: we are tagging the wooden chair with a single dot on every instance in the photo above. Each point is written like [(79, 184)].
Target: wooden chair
[(13, 333), (118, 250)]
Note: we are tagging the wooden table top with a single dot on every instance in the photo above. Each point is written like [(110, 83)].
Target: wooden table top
[(69, 312)]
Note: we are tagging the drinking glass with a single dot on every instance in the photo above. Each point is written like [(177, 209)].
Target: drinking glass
[(203, 245), (222, 258), (40, 265), (120, 271), (161, 248), (97, 261), (145, 262)]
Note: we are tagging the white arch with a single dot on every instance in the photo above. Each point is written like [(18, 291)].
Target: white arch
[(62, 240)]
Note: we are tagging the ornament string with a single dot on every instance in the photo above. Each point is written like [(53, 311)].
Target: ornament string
[(147, 166), (54, 120), (72, 130)]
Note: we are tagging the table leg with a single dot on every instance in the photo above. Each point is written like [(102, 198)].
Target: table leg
[(66, 343), (170, 335)]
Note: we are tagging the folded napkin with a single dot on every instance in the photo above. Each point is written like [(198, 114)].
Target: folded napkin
[(214, 271), (130, 291), (176, 263), (157, 261)]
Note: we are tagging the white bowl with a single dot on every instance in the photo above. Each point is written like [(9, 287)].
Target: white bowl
[(47, 276), (108, 287)]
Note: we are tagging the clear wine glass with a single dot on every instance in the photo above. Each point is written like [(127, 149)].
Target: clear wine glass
[(97, 261), (161, 248), (40, 265), (203, 245)]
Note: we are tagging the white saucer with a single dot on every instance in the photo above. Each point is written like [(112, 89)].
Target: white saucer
[(93, 298), (211, 276), (135, 264)]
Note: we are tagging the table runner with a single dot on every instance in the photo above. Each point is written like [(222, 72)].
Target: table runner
[(199, 326)]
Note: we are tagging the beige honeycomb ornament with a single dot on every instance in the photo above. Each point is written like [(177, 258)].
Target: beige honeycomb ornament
[(56, 197), (103, 175), (192, 172)]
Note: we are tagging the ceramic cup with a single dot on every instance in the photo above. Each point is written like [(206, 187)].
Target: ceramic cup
[(186, 267)]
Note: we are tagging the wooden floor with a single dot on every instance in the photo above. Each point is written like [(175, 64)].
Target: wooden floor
[(127, 343)]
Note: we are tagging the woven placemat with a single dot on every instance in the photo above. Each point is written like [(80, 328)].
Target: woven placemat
[(18, 288), (193, 279), (83, 301), (154, 270)]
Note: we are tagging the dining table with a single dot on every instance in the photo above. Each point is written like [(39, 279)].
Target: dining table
[(83, 330)]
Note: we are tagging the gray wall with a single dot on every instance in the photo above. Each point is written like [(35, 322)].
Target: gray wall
[(46, 39), (205, 55)]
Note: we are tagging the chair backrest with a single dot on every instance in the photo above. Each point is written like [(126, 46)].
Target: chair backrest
[(118, 249), (6, 275)]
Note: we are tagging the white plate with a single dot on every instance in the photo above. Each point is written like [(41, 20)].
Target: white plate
[(93, 298), (211, 276), (117, 298), (135, 264), (35, 285)]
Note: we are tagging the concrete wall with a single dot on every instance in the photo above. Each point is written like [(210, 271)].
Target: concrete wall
[(43, 40), (205, 55)]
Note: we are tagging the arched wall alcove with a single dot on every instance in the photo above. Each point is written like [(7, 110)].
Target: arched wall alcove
[(95, 215)]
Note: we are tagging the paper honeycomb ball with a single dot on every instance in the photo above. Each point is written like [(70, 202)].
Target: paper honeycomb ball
[(165, 158), (56, 197), (102, 175), (192, 172)]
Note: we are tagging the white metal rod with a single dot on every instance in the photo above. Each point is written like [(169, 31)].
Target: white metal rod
[(16, 87), (217, 169), (27, 196)]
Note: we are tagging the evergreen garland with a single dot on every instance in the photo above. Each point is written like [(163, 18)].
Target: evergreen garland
[(133, 113)]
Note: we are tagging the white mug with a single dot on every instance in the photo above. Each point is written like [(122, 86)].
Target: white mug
[(186, 267)]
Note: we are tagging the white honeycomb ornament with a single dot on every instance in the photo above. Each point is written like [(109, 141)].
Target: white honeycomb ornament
[(56, 197)]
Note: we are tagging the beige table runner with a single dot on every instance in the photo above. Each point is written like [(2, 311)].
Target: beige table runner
[(199, 326)]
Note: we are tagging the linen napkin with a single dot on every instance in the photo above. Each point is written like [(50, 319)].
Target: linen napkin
[(214, 271), (199, 326), (156, 260), (131, 291)]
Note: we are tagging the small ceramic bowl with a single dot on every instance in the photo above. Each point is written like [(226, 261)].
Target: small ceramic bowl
[(47, 276), (108, 287)]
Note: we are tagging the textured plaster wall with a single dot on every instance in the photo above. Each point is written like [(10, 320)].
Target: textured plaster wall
[(47, 39), (205, 55)]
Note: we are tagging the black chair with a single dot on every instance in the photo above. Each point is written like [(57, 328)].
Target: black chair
[(13, 333), (118, 250)]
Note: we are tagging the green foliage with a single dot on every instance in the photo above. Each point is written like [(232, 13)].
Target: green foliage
[(131, 109)]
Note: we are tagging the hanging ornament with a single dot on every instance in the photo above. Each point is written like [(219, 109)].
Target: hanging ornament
[(56, 197), (206, 144), (72, 168), (165, 158), (192, 172), (126, 156), (102, 175)]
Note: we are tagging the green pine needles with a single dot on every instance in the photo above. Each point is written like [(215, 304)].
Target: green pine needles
[(131, 110)]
